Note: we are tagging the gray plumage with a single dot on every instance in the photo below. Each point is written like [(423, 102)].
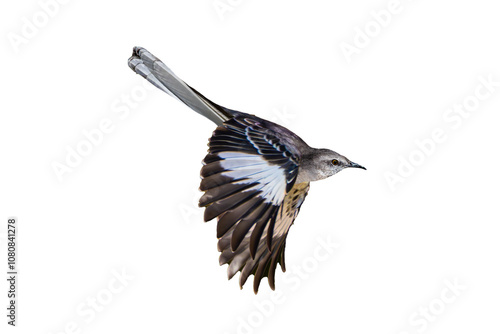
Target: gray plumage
[(156, 72), (255, 176)]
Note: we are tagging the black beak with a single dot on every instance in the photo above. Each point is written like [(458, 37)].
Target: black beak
[(355, 165)]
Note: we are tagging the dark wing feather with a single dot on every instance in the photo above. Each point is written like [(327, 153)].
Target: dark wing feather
[(248, 177), (266, 259)]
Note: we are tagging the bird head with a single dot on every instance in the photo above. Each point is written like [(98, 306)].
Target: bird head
[(323, 163)]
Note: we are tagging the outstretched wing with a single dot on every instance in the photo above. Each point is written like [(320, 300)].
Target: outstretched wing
[(265, 261), (249, 178)]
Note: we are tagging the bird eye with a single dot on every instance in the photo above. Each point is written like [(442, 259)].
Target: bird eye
[(335, 162)]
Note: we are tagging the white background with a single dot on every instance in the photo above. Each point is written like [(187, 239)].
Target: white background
[(131, 203)]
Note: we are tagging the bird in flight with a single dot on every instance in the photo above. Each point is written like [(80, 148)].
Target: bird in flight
[(255, 176)]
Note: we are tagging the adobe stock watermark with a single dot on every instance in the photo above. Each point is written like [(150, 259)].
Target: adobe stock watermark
[(90, 139), (363, 36), (281, 115), (223, 7), (189, 210), (293, 279), (453, 118), (420, 320), (31, 26), (88, 310)]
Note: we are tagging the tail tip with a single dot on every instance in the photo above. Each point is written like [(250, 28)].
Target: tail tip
[(136, 51), (135, 59)]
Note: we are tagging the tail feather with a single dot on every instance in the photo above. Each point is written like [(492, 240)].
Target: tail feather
[(155, 71)]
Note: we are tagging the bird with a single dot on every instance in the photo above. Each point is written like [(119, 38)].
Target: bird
[(254, 178)]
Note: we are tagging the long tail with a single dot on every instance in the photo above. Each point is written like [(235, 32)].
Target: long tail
[(155, 71)]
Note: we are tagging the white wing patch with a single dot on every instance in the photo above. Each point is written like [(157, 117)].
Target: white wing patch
[(250, 168)]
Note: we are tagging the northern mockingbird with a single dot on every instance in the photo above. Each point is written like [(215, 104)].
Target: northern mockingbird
[(255, 176)]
